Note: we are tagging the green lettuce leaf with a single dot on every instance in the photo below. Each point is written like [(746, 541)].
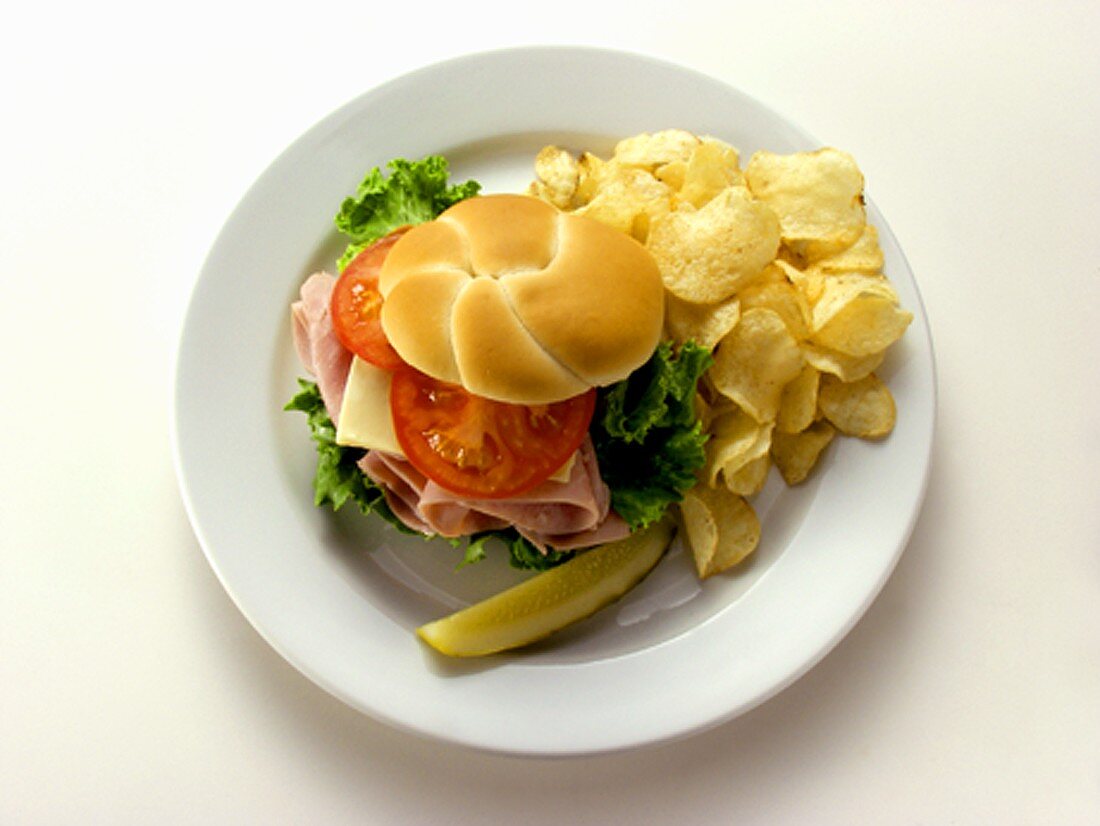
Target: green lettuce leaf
[(414, 192), (648, 439), (522, 553), (338, 479)]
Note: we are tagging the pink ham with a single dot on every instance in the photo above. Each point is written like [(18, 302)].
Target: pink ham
[(404, 486), (321, 352), (563, 515), (612, 529)]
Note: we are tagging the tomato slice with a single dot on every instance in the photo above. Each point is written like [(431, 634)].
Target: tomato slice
[(357, 305), (480, 448)]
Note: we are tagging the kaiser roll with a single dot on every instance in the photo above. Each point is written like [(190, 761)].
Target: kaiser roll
[(521, 303)]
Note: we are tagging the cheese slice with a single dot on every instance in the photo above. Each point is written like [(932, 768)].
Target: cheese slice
[(562, 473), (365, 419)]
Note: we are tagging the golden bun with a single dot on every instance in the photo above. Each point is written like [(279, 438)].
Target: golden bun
[(519, 302)]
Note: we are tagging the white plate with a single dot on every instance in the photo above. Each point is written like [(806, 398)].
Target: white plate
[(339, 596)]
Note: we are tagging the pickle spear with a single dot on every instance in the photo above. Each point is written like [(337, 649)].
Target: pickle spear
[(551, 600)]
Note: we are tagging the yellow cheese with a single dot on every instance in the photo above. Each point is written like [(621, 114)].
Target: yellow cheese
[(562, 473), (365, 419)]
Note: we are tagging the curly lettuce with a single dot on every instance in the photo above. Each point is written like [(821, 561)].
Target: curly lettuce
[(522, 553), (338, 479), (648, 439), (414, 192)]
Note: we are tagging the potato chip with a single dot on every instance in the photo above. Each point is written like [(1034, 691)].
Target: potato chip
[(771, 274), (749, 480), (590, 174), (790, 256), (780, 296), (705, 255), (775, 269), (755, 361), (700, 529), (841, 365), (672, 173), (809, 282), (628, 199), (858, 314), (863, 408), (798, 402), (721, 529), (818, 197), (728, 153), (712, 167), (713, 412), (557, 174), (737, 439), (648, 151), (705, 324), (865, 255), (796, 454)]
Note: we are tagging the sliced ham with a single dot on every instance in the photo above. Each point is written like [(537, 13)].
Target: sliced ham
[(612, 529), (550, 508), (562, 515), (404, 488), (321, 352)]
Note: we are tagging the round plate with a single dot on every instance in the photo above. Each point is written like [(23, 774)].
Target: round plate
[(339, 595)]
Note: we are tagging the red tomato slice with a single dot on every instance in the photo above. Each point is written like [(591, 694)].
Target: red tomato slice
[(480, 448), (357, 305)]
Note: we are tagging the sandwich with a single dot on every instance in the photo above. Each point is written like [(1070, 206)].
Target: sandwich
[(495, 370)]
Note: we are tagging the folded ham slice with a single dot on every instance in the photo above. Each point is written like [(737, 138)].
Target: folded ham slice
[(404, 486), (562, 515), (321, 352)]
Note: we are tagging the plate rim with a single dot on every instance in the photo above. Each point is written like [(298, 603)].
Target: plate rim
[(855, 613)]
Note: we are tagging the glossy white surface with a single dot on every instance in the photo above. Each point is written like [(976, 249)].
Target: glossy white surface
[(132, 689)]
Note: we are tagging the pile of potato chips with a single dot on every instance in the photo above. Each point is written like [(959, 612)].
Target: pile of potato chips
[(775, 269)]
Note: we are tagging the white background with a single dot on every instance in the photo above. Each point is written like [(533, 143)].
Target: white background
[(131, 689)]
